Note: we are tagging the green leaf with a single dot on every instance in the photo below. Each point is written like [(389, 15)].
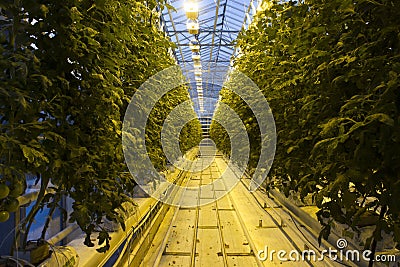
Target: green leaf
[(88, 242), (28, 153), (168, 6), (290, 149), (381, 117)]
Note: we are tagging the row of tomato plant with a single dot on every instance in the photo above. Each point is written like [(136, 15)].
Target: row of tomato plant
[(68, 71), (330, 72)]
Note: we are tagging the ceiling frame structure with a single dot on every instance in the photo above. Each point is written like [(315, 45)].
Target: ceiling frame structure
[(220, 23)]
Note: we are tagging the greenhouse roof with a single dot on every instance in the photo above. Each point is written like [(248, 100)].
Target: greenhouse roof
[(220, 22)]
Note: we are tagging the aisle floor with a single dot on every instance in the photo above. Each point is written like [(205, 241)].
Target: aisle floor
[(227, 232)]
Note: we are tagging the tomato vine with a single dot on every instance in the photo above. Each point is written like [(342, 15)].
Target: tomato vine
[(70, 69)]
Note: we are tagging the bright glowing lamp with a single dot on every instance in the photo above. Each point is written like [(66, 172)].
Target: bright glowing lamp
[(193, 26), (196, 57), (191, 9), (194, 45)]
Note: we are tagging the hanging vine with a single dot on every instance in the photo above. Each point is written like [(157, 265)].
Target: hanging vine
[(71, 68), (330, 72)]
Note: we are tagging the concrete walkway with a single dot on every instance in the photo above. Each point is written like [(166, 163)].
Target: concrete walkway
[(231, 231)]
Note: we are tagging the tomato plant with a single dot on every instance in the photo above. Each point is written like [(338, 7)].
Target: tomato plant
[(330, 72), (70, 69), (17, 189), (12, 205), (4, 191), (4, 216)]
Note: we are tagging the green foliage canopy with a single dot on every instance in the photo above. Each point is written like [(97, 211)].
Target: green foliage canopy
[(69, 69), (330, 72)]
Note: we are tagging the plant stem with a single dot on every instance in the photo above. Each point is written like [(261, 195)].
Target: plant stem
[(374, 242), (29, 219), (56, 199)]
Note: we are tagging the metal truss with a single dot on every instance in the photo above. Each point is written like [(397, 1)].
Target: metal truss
[(220, 23)]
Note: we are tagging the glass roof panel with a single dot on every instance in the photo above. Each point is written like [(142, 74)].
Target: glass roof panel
[(220, 22)]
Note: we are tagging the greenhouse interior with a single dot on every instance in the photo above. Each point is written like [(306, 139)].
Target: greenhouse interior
[(200, 133)]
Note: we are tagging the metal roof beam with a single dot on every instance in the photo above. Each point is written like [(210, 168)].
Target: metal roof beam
[(207, 61), (213, 34), (208, 45), (237, 3), (223, 21), (235, 8), (217, 31), (220, 23), (176, 35)]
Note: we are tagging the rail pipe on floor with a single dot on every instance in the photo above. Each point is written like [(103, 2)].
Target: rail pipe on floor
[(313, 225), (61, 235), (32, 196), (244, 228)]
